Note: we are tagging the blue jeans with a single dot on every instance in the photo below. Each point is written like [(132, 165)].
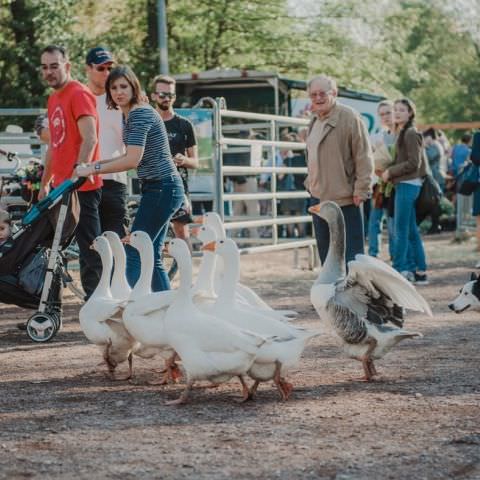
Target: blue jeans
[(409, 254), (159, 201), (354, 238), (375, 231)]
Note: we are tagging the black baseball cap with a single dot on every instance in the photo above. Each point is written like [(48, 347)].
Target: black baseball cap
[(99, 56)]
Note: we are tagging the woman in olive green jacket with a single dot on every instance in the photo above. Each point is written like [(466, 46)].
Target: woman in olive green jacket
[(407, 173)]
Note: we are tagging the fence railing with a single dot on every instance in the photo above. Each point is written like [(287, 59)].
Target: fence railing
[(226, 141)]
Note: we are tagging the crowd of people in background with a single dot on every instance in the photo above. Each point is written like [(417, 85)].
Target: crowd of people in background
[(106, 127)]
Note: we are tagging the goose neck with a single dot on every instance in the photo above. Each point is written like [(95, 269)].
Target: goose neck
[(103, 287), (144, 282), (205, 277), (335, 261), (231, 276)]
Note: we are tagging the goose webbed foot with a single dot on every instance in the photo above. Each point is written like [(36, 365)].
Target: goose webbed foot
[(171, 372), (287, 388), (368, 373), (367, 361), (283, 387), (111, 365), (253, 390), (245, 390), (183, 397)]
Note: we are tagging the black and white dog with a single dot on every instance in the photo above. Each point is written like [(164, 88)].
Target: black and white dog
[(469, 296)]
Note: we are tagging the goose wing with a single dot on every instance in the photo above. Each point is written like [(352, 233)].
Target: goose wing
[(101, 309), (377, 292)]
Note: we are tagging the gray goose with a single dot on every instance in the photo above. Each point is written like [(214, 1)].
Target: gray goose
[(364, 307)]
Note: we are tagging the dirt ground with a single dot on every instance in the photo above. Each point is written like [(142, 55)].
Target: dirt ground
[(60, 417)]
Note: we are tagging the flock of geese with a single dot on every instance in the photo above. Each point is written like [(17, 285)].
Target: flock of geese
[(219, 328)]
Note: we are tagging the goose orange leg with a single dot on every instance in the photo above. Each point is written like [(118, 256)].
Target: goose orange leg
[(184, 396)]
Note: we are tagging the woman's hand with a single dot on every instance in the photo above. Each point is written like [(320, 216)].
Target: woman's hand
[(84, 170), (386, 176)]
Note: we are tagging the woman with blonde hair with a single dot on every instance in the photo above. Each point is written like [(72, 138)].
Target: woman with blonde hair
[(407, 173)]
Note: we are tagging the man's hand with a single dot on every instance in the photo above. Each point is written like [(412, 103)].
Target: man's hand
[(179, 160), (43, 192), (357, 200), (385, 176)]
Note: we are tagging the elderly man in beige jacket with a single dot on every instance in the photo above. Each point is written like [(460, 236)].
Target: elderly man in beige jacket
[(340, 164)]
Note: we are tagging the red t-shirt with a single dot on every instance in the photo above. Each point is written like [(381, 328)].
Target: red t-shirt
[(65, 107)]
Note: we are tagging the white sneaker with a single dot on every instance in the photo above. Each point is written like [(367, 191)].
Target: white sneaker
[(408, 276)]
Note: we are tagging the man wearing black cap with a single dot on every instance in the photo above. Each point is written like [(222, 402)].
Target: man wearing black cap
[(113, 205)]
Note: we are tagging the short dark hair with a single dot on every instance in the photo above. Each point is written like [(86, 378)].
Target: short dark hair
[(163, 79), (430, 132), (127, 73), (54, 49), (466, 138)]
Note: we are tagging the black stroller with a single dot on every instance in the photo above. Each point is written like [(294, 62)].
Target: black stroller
[(31, 264)]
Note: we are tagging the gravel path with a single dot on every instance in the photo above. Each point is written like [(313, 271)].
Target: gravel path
[(60, 417)]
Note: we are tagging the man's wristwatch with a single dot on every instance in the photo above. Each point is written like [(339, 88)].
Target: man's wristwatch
[(96, 167)]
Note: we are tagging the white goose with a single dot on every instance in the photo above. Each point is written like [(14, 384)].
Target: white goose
[(145, 312), (100, 316), (364, 308), (204, 288), (274, 358), (244, 294), (119, 284), (120, 287), (210, 349)]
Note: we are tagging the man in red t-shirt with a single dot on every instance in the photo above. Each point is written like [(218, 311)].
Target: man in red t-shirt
[(73, 125)]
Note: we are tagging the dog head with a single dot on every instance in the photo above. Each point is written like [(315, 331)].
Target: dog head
[(469, 296)]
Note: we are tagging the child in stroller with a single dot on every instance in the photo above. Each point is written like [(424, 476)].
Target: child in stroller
[(30, 275), (5, 226)]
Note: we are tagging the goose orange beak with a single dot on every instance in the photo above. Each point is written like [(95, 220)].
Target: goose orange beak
[(314, 208), (209, 247)]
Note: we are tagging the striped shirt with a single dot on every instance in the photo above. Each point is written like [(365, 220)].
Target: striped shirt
[(145, 128)]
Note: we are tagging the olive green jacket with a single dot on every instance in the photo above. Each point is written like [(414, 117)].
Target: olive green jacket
[(410, 161)]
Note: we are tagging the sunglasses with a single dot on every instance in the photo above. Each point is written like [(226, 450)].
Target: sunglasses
[(165, 95), (102, 68)]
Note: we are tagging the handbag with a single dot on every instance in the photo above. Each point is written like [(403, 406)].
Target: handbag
[(429, 197), (468, 179), (32, 273)]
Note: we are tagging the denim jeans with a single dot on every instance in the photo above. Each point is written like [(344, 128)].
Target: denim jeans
[(353, 232), (159, 201), (375, 231), (87, 230), (113, 207), (409, 254)]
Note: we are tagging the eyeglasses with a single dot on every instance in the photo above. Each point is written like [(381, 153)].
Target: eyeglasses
[(102, 68), (320, 94), (165, 95)]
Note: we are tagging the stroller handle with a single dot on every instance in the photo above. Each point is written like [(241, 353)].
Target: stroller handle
[(52, 198)]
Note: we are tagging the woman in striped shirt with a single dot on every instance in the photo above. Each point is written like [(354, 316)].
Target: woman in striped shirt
[(147, 150)]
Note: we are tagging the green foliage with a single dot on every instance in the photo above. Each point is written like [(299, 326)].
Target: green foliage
[(406, 47)]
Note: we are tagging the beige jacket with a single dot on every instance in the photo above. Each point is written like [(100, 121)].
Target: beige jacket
[(344, 162)]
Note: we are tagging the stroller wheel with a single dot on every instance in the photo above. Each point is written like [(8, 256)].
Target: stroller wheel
[(41, 327), (57, 320)]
